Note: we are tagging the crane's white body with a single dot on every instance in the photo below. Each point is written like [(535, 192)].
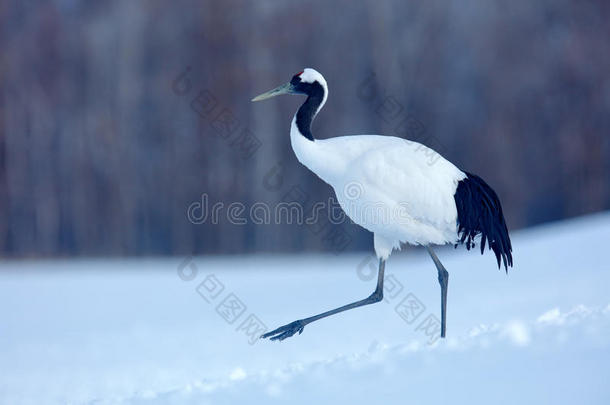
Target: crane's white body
[(393, 188), (387, 185)]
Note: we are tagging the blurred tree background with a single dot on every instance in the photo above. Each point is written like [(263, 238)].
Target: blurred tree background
[(117, 116)]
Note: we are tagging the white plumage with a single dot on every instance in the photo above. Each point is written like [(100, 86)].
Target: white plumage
[(391, 187), (387, 185)]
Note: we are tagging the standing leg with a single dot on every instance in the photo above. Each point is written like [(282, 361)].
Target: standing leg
[(443, 280), (290, 329)]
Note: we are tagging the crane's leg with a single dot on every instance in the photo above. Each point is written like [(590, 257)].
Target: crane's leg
[(290, 329), (443, 280)]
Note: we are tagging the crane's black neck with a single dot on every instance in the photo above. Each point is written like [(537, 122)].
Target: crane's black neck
[(308, 110)]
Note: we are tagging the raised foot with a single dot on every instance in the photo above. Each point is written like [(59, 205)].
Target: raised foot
[(285, 331)]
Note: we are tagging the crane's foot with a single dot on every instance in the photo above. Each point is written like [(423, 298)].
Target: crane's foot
[(285, 331)]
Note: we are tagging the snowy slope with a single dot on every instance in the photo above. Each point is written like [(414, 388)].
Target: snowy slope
[(133, 331)]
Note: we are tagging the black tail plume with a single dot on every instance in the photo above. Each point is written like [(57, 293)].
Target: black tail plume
[(479, 212)]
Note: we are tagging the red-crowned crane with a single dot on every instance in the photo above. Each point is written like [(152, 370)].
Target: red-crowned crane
[(388, 186)]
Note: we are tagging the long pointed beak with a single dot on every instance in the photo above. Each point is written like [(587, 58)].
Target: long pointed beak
[(283, 89)]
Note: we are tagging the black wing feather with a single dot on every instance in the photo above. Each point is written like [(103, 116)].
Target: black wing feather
[(480, 212)]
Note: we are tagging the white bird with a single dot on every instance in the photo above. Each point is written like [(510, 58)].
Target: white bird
[(388, 186)]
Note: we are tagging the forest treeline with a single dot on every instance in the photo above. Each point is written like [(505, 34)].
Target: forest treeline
[(122, 122)]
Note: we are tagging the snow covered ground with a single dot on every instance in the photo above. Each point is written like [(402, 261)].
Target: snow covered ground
[(170, 331)]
